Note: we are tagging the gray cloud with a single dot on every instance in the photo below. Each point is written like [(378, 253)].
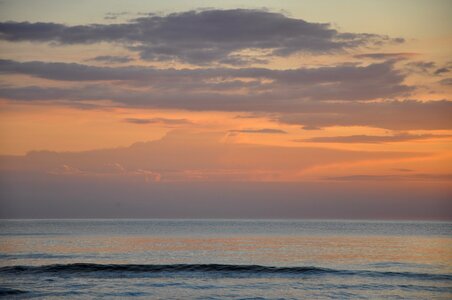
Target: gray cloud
[(262, 130), (384, 56), (164, 121), (442, 71), (342, 82), (39, 93), (420, 66), (201, 37), (248, 116), (310, 127), (116, 15), (428, 67), (394, 115), (390, 114), (373, 139), (112, 59), (298, 95)]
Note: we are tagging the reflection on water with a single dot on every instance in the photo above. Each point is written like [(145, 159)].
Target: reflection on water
[(274, 250), (348, 247)]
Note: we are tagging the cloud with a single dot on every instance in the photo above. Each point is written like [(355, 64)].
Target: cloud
[(420, 66), (108, 170), (390, 114), (385, 56), (298, 96), (373, 139), (263, 130), (402, 170), (446, 81), (188, 156), (442, 71), (310, 127), (163, 121), (66, 170), (392, 177), (342, 82), (201, 37), (112, 59), (248, 116), (58, 94), (116, 15), (426, 67), (394, 115)]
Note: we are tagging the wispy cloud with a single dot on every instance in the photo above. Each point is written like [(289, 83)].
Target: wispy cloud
[(398, 177), (442, 71), (387, 55), (261, 130), (373, 139), (446, 81), (165, 121), (394, 115), (112, 59)]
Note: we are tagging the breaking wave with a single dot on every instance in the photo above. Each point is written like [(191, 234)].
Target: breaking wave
[(229, 270)]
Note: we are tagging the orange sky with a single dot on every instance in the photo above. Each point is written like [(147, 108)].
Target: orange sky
[(228, 94)]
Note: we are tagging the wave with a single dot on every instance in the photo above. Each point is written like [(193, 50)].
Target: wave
[(210, 268), (33, 256), (10, 292), (88, 267)]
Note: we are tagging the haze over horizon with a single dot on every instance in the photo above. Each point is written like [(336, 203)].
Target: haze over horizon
[(224, 110)]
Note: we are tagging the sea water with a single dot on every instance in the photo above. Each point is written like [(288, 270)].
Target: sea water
[(225, 259)]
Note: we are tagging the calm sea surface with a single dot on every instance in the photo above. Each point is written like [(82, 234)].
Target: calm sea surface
[(225, 259)]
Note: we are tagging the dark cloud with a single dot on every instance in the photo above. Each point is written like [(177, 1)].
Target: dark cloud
[(201, 37), (428, 67), (112, 59), (384, 56), (164, 121), (299, 96), (373, 139), (442, 71), (39, 93), (342, 82), (263, 130)]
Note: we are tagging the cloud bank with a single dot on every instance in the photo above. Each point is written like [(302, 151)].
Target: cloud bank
[(203, 36)]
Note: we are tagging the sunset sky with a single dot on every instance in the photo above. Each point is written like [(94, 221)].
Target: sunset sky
[(259, 109)]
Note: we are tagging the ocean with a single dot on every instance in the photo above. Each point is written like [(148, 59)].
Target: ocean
[(225, 259)]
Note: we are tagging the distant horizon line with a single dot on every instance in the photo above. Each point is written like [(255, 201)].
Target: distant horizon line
[(235, 219)]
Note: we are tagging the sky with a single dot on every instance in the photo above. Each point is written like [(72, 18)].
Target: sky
[(226, 109)]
